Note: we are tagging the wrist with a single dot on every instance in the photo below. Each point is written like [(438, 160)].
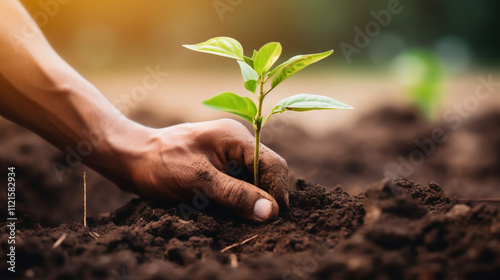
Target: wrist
[(119, 150)]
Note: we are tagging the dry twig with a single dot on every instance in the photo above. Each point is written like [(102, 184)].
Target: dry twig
[(94, 234), (84, 199), (239, 244), (59, 241)]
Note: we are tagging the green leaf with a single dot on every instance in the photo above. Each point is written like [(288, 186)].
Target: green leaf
[(248, 60), (294, 65), (250, 77), (223, 46), (266, 57), (233, 103), (254, 54), (308, 102)]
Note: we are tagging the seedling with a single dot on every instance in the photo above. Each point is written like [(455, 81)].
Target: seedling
[(423, 75), (256, 72)]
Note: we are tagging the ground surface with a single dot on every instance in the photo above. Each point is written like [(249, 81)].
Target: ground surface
[(357, 227), (396, 230)]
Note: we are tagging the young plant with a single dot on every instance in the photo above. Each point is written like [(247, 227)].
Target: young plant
[(256, 72), (423, 75)]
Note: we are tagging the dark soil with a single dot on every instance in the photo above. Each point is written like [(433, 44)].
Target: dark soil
[(465, 164), (393, 229), (396, 230)]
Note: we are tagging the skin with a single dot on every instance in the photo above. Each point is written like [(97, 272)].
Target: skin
[(40, 91)]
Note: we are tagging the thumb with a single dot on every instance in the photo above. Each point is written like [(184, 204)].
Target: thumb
[(242, 198)]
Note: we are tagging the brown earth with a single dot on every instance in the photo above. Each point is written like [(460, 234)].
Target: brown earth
[(359, 230), (396, 230)]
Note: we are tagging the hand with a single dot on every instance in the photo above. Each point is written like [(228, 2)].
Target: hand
[(171, 163), (194, 158)]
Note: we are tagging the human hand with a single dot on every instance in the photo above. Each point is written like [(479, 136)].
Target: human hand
[(184, 160), (172, 163)]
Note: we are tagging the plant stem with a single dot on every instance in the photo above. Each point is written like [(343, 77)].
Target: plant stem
[(257, 127), (256, 173)]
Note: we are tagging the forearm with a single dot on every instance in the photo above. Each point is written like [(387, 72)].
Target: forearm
[(40, 91), (75, 115)]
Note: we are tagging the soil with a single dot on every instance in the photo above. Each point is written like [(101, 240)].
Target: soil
[(368, 227), (396, 230), (466, 162)]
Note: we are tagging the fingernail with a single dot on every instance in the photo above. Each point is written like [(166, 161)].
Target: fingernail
[(262, 209)]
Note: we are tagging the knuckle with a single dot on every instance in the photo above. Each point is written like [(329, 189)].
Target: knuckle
[(231, 124), (276, 160), (232, 192), (228, 122), (238, 195), (283, 163), (232, 131)]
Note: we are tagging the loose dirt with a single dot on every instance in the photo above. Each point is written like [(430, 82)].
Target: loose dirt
[(358, 226)]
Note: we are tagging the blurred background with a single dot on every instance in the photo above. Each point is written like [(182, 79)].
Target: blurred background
[(113, 42), (98, 35), (408, 67)]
